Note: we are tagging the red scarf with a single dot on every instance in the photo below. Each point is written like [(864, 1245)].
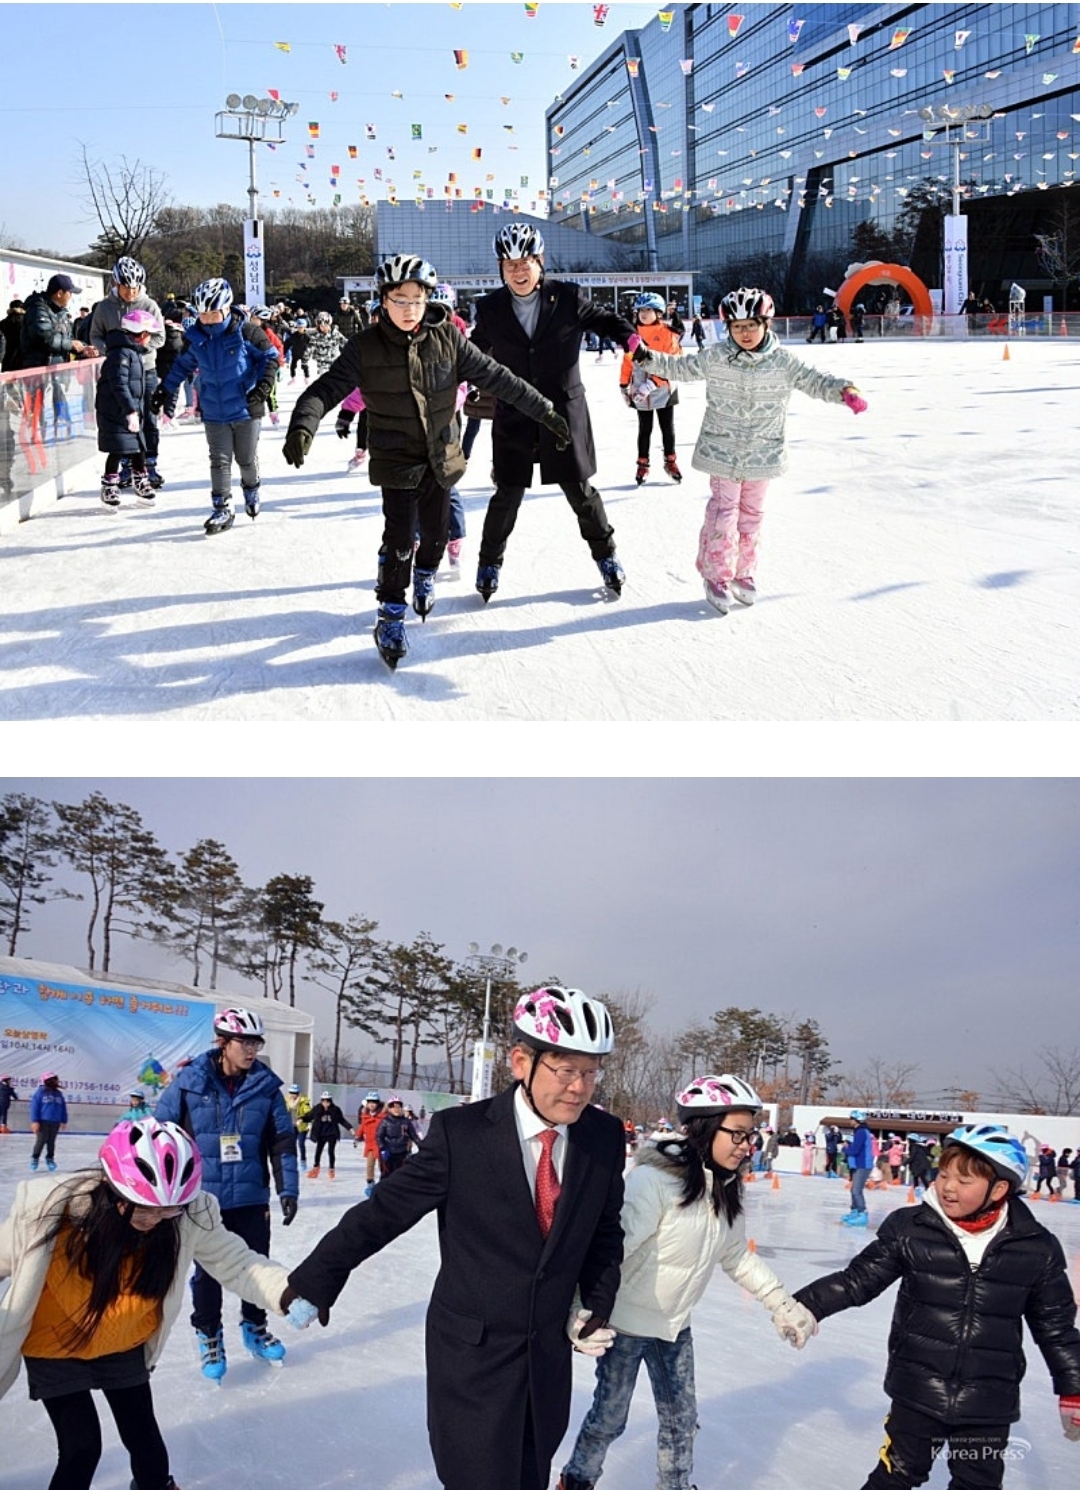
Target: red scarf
[(981, 1223)]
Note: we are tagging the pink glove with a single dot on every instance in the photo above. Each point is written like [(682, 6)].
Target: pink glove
[(633, 344), (134, 422), (854, 402), (1070, 1416)]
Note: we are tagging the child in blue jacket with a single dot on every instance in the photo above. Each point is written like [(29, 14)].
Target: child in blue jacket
[(48, 1114), (237, 367)]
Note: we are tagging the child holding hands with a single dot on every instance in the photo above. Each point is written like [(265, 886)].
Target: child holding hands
[(748, 380)]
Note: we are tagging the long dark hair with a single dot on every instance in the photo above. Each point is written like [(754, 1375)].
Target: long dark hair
[(694, 1156), (105, 1248)]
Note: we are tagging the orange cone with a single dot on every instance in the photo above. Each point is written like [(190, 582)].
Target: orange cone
[(1005, 354), (1064, 328), (751, 1245), (749, 1177), (776, 1182), (911, 1196)]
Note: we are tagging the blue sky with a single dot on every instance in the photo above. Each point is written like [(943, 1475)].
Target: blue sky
[(930, 923), (145, 81)]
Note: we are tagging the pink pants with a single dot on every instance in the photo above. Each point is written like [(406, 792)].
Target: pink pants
[(727, 547)]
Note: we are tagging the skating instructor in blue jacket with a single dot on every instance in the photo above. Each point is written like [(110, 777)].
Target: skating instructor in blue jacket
[(528, 1188), (232, 1106)]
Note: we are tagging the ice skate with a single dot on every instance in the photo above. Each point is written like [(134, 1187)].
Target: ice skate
[(262, 1345), (487, 580), (144, 491), (251, 501), (330, 1175), (110, 490), (453, 559), (642, 470), (390, 634), (571, 1482), (718, 596), (156, 479), (671, 468), (212, 1354), (855, 1218), (50, 1165), (744, 590), (612, 572), (313, 1172), (357, 460), (369, 1189), (220, 520), (423, 599)]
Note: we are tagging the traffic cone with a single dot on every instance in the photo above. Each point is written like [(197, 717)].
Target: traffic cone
[(751, 1245), (911, 1196), (1063, 328), (749, 1177), (1005, 353), (776, 1182)]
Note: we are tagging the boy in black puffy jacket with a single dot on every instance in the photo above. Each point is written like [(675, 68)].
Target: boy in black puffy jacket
[(974, 1266), (118, 405)]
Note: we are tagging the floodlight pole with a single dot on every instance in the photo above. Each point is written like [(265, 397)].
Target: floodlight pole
[(253, 121), (492, 964)]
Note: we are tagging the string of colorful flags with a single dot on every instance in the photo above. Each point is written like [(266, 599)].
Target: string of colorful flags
[(605, 195)]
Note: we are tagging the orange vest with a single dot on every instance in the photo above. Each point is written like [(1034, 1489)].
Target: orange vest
[(128, 1321), (658, 338)]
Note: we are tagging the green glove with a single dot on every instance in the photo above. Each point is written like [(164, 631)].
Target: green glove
[(558, 427), (296, 446)]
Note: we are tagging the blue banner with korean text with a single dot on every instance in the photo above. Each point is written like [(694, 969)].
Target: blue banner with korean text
[(102, 1042)]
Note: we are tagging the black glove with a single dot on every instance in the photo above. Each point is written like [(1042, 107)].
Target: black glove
[(296, 446), (627, 396), (641, 354), (158, 399), (288, 1209), (559, 428), (343, 426), (255, 406), (290, 1294)]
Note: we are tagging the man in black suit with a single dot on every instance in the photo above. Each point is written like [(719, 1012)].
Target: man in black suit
[(534, 326), (528, 1189)]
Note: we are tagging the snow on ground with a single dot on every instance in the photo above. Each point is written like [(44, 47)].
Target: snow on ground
[(347, 1407), (919, 562)]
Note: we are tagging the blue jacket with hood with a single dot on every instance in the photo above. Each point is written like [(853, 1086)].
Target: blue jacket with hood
[(234, 360), (206, 1104)]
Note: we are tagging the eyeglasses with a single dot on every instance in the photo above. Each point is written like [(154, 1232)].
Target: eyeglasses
[(249, 1042), (406, 304), (567, 1075), (738, 1136)]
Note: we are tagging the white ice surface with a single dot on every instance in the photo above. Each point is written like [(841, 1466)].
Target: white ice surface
[(919, 562), (347, 1407)]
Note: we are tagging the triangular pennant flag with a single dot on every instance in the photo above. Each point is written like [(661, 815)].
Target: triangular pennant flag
[(283, 46), (340, 51), (733, 24), (793, 29)]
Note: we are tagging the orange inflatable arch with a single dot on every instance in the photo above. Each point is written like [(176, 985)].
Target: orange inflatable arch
[(876, 274)]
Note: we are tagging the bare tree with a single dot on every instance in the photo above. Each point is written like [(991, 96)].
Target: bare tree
[(1056, 1089), (1058, 251), (345, 949), (125, 198), (879, 1084)]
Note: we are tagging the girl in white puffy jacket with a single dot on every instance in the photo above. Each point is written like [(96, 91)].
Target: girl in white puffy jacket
[(681, 1216), (749, 379)]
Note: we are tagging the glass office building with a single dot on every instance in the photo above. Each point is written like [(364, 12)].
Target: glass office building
[(728, 137)]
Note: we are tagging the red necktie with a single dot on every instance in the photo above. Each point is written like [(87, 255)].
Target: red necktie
[(547, 1183)]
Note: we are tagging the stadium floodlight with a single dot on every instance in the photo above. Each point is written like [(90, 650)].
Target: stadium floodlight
[(250, 101), (233, 101), (264, 106)]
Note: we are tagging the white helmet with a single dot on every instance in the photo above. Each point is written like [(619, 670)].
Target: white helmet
[(709, 1095), (518, 240), (563, 1020), (402, 269), (747, 304), (212, 294), (242, 1022), (129, 272), (151, 1163)]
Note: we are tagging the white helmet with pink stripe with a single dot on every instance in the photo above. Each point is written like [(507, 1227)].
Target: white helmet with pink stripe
[(708, 1095), (151, 1163)]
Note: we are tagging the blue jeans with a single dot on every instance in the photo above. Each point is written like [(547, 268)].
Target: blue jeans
[(670, 1365), (858, 1185)]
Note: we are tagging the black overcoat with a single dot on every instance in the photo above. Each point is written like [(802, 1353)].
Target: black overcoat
[(550, 362), (955, 1347), (496, 1323)]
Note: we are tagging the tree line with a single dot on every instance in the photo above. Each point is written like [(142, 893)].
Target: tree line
[(420, 1007)]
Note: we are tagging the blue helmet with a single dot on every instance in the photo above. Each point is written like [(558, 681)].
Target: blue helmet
[(858, 1115), (1002, 1151), (649, 301)]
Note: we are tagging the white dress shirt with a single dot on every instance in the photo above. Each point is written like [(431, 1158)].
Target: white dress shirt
[(529, 1128)]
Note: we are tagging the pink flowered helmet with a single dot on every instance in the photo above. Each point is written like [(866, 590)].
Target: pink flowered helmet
[(49, 1076), (244, 1023), (563, 1019), (151, 1163), (708, 1095), (137, 321)]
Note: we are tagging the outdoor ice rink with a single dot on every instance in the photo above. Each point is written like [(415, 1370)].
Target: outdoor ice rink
[(347, 1406), (919, 562)]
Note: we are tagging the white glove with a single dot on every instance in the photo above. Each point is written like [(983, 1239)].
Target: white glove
[(794, 1323), (301, 1313), (134, 422), (594, 1344)]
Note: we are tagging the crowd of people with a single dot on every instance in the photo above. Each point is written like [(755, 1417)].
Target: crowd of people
[(420, 381), (549, 1244)]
